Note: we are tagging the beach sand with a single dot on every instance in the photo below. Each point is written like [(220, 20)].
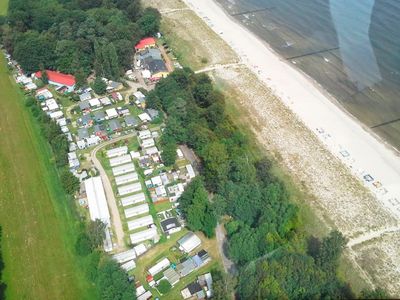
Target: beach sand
[(365, 153), (323, 148)]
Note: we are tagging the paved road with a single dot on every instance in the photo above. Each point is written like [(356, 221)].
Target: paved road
[(112, 202)]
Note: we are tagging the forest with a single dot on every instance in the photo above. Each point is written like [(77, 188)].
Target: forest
[(275, 259), (77, 36)]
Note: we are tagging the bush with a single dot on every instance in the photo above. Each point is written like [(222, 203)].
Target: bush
[(99, 86), (69, 182), (164, 286), (30, 101), (83, 245)]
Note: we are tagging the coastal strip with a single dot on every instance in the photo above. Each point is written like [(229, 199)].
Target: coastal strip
[(367, 157)]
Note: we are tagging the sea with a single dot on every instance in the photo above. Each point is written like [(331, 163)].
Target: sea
[(350, 47)]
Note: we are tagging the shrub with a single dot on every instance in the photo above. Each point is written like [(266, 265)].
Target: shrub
[(164, 286)]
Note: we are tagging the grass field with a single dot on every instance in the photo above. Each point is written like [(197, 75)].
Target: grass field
[(37, 219), (3, 7)]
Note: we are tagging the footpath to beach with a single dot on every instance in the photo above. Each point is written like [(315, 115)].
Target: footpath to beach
[(350, 177)]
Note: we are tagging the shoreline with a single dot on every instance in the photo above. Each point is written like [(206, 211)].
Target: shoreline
[(361, 151)]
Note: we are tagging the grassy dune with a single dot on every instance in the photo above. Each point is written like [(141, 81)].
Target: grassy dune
[(38, 225)]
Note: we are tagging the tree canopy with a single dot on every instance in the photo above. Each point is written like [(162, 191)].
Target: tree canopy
[(77, 36), (263, 236)]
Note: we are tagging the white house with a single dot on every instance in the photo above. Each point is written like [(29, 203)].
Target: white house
[(128, 266), (111, 113), (190, 171), (158, 267), (56, 115), (125, 256), (129, 189), (117, 151), (140, 249), (136, 210), (144, 117), (147, 234), (189, 242), (126, 178), (144, 134), (126, 168), (140, 222), (156, 181), (94, 102), (97, 202), (133, 199), (147, 143), (120, 160)]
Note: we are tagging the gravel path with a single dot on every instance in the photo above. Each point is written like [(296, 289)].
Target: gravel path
[(229, 266)]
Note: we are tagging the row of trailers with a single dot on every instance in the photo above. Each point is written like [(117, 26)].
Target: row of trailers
[(131, 196)]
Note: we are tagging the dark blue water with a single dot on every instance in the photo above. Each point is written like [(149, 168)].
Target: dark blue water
[(350, 47)]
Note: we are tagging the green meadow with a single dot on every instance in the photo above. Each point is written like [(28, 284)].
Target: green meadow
[(39, 226)]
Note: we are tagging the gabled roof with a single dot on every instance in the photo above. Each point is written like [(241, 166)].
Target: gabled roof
[(169, 224), (114, 124), (194, 288), (61, 78), (153, 53), (143, 43), (155, 65)]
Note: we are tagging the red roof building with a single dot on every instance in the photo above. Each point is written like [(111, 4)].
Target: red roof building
[(58, 78), (145, 43)]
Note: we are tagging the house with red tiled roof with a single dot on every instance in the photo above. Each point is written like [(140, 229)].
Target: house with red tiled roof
[(145, 43), (59, 79)]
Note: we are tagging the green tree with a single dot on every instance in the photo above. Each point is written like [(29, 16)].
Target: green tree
[(44, 78), (164, 286), (96, 233), (377, 293), (216, 164), (168, 154), (243, 245), (69, 182), (113, 282), (222, 285), (332, 247), (80, 77), (83, 246), (99, 86), (33, 50), (149, 22), (197, 209)]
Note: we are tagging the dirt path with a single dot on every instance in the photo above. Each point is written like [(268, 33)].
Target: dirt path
[(169, 11), (372, 235), (112, 202), (218, 67), (229, 266)]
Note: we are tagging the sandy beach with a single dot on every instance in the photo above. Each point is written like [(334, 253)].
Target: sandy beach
[(375, 164)]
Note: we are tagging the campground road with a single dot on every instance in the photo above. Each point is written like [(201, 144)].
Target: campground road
[(111, 200), (229, 266)]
